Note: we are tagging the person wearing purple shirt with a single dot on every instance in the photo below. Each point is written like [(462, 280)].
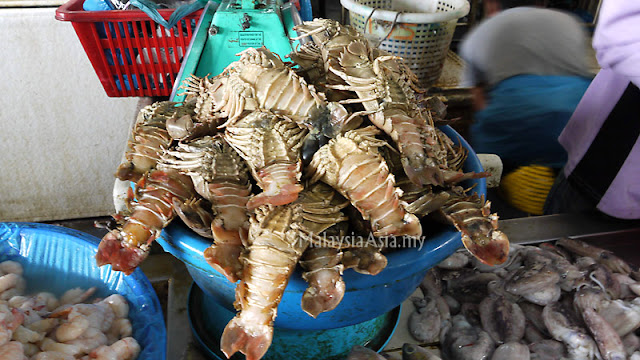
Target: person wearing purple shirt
[(602, 136)]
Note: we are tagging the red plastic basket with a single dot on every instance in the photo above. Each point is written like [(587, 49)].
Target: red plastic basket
[(131, 54)]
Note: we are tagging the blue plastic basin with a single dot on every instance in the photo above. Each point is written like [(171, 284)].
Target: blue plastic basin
[(366, 296), (56, 259)]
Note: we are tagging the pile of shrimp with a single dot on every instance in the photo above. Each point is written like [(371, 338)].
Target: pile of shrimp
[(74, 326)]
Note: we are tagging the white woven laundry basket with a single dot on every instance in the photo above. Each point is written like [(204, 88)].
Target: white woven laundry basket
[(420, 31)]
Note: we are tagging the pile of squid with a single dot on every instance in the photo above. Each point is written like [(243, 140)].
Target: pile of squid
[(275, 161), (560, 300)]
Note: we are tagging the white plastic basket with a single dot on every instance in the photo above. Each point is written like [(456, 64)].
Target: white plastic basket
[(420, 31)]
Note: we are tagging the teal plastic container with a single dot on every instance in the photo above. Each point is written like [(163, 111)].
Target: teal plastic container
[(208, 319)]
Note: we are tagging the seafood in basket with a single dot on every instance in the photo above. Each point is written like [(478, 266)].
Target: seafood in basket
[(562, 300), (41, 326), (339, 142)]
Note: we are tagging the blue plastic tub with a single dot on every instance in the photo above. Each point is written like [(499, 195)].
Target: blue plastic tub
[(366, 296), (56, 259)]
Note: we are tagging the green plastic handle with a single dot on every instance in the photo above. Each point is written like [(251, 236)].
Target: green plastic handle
[(150, 8)]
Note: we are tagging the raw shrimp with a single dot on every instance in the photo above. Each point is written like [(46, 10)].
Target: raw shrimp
[(26, 335), (48, 345), (9, 321), (11, 285), (125, 349), (44, 325), (76, 296), (12, 351), (118, 304), (52, 355), (11, 267), (18, 301), (30, 349), (46, 299), (89, 340), (100, 315), (120, 328), (72, 329)]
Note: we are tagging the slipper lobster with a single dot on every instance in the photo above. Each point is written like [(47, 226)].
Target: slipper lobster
[(271, 146), (385, 93), (472, 216), (275, 247), (148, 140), (351, 164), (221, 176), (156, 194)]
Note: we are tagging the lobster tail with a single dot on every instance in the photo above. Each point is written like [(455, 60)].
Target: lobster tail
[(284, 195), (471, 215), (492, 250), (156, 193), (366, 260), (226, 259), (421, 174), (231, 236), (324, 275), (325, 293), (122, 258), (250, 339)]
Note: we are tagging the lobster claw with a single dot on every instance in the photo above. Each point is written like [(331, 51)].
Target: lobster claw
[(491, 249)]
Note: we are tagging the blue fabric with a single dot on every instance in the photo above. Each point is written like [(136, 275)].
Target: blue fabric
[(524, 116)]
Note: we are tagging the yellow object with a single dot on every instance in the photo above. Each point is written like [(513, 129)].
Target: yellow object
[(526, 188)]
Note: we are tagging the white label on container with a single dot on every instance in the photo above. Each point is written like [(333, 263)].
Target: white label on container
[(250, 39)]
